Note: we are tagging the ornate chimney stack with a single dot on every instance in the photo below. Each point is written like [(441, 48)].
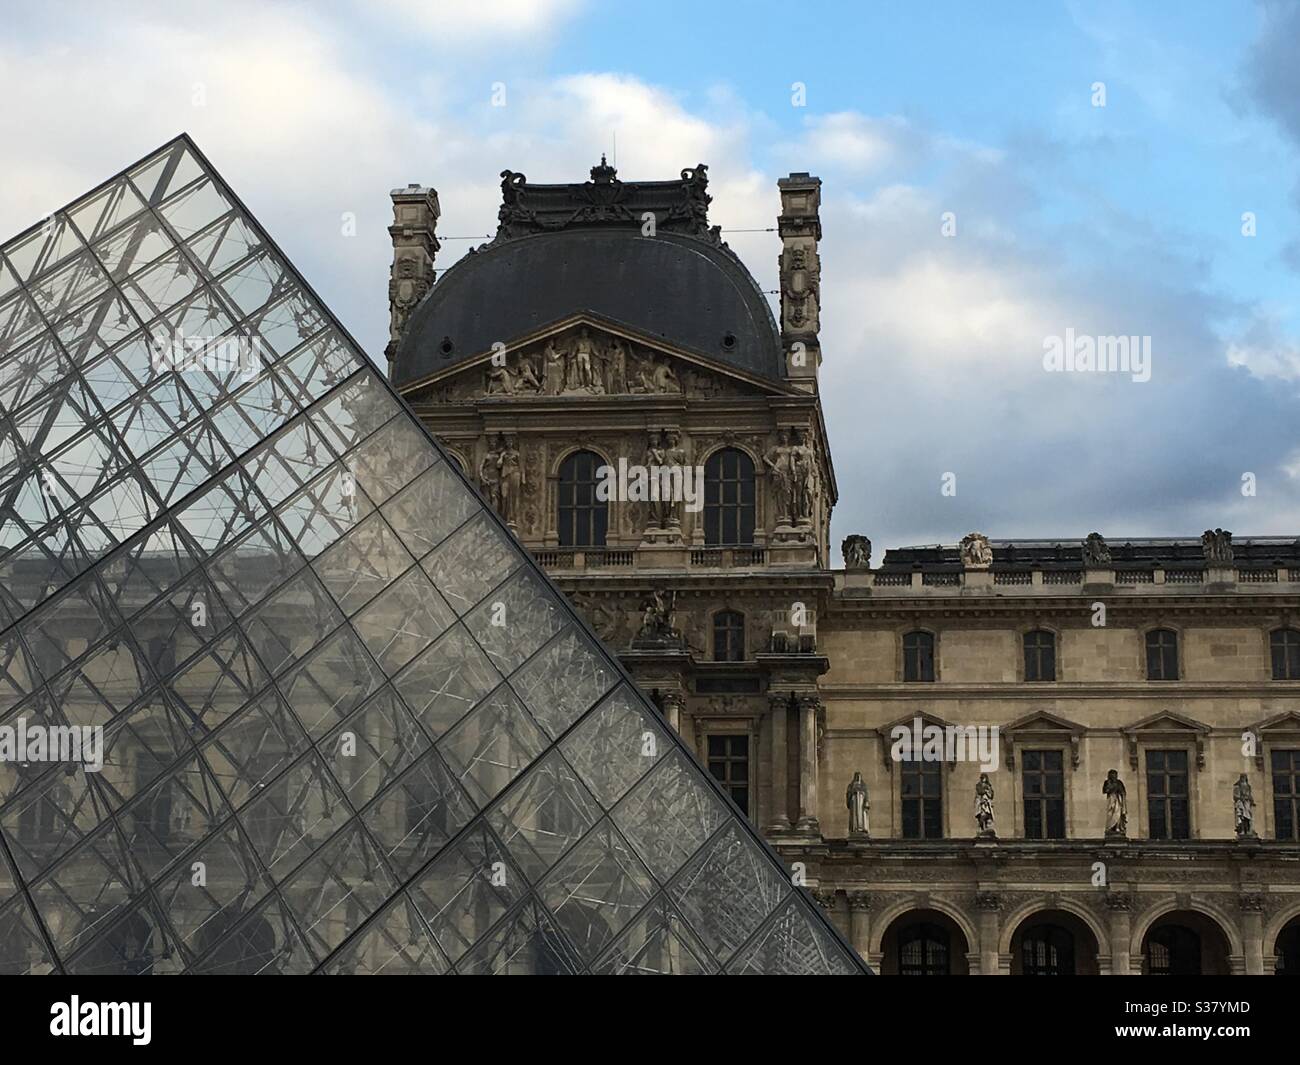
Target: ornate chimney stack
[(415, 220), (800, 266)]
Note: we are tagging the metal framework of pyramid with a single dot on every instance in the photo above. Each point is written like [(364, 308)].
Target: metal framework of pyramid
[(347, 724)]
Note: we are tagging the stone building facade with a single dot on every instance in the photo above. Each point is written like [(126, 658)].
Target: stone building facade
[(609, 327)]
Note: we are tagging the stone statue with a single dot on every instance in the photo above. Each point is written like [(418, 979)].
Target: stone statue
[(777, 460), (1095, 552), (664, 379), (584, 366), (976, 551), (984, 806), (526, 375), (859, 804), (659, 511), (674, 456), (659, 618), (803, 476), (1116, 804), (857, 552), (500, 381), (1243, 808), (489, 477), (1216, 545), (553, 369), (512, 480)]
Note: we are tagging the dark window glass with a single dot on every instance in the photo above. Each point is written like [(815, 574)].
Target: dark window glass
[(1047, 950), (1286, 794), (1167, 809), (922, 784), (1044, 787), (582, 518), (923, 951), (918, 656), (1288, 950), (1040, 655), (1162, 654), (729, 764), (1285, 645), (1173, 951), (728, 498), (728, 636)]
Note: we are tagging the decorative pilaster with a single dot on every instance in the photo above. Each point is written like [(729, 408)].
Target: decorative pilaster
[(989, 906), (415, 219), (809, 705), (860, 922), (1252, 927), (778, 712), (800, 266), (1120, 905), (674, 702)]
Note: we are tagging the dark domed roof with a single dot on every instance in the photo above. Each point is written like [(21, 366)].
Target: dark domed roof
[(566, 249)]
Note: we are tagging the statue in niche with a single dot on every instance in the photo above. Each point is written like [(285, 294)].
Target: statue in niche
[(660, 510), (1243, 808), (674, 456), (659, 618), (501, 475), (553, 369), (856, 550), (984, 806), (1095, 551), (489, 477), (859, 804), (803, 476), (1116, 804), (777, 460)]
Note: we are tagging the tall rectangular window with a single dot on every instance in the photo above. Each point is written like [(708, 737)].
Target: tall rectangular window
[(918, 656), (1043, 780), (1286, 793), (1040, 655), (729, 764), (1162, 654), (1167, 801), (922, 784)]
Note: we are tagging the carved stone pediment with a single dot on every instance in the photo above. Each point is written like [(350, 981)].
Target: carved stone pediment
[(1166, 725), (583, 358), (1041, 727)]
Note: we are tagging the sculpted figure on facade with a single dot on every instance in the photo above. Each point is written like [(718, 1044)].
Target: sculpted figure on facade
[(1095, 551), (1216, 545), (859, 804), (1116, 804), (984, 806), (778, 462), (856, 550), (659, 618), (976, 551), (405, 290), (501, 476), (674, 457), (1243, 807), (803, 479), (616, 362), (553, 369)]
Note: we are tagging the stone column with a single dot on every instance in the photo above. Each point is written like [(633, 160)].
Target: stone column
[(989, 906), (808, 822), (674, 703), (1252, 927), (778, 710), (1119, 904), (860, 922)]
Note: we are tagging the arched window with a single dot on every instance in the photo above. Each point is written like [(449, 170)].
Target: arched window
[(1285, 645), (1173, 951), (583, 519), (1040, 655), (923, 951), (728, 636), (1162, 654), (1047, 950), (918, 656), (728, 498)]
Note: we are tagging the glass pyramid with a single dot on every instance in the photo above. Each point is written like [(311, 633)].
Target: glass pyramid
[(344, 723)]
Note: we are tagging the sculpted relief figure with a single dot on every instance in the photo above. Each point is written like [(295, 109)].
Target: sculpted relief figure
[(659, 510), (405, 290), (984, 806), (553, 369), (1243, 807), (674, 456), (1216, 545), (1095, 552), (501, 475), (976, 551), (778, 462), (1116, 804), (856, 550), (803, 478)]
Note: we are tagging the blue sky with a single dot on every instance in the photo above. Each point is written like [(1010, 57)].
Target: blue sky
[(1124, 219)]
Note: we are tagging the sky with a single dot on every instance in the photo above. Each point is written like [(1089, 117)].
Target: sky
[(993, 176)]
